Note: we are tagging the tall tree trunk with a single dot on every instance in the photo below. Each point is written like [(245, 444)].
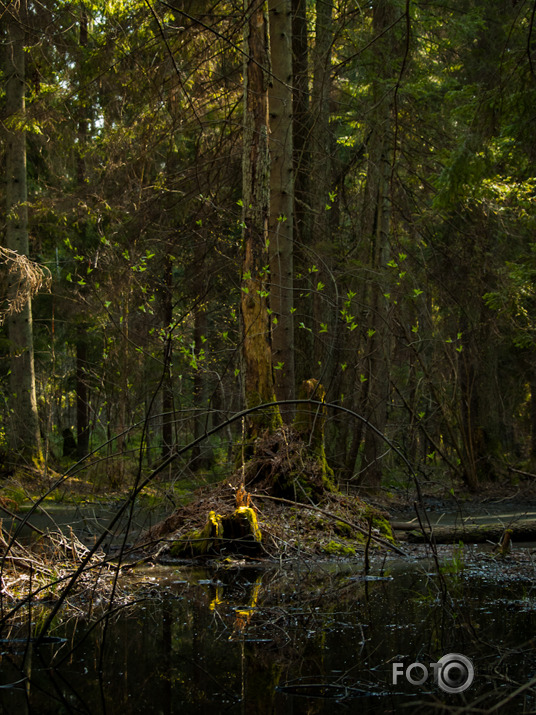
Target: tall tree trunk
[(24, 434), (82, 397), (375, 229), (377, 372), (82, 393), (303, 339), (281, 220), (321, 169), (300, 115), (256, 350), (199, 454), (533, 419), (167, 381), (320, 178), (470, 432)]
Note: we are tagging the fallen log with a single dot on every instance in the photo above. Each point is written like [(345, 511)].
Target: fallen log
[(469, 533)]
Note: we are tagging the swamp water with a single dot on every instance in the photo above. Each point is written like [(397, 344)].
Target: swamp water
[(298, 639)]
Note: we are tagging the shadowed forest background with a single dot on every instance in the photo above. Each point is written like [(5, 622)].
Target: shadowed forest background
[(224, 202)]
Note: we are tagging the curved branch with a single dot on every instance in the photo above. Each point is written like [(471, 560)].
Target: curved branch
[(143, 483)]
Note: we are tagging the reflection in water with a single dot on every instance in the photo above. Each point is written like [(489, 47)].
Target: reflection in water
[(306, 640)]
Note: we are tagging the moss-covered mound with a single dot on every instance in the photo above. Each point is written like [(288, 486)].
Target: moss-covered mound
[(213, 526), (282, 501)]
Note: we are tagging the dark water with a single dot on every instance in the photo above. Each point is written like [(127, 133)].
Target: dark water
[(293, 640)]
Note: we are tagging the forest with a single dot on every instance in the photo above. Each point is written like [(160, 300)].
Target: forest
[(211, 207), (267, 356)]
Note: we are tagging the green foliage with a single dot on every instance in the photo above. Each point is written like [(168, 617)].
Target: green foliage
[(134, 175)]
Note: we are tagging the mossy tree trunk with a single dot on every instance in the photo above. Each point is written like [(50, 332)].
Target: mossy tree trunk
[(256, 349)]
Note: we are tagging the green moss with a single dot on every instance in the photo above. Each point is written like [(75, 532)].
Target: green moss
[(380, 522), (200, 542), (247, 513), (327, 474), (237, 532), (337, 549), (344, 529)]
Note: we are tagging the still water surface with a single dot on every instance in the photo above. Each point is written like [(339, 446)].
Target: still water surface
[(299, 639)]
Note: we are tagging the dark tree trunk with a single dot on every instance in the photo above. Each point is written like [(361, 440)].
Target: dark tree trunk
[(82, 395), (167, 381), (24, 432), (281, 220)]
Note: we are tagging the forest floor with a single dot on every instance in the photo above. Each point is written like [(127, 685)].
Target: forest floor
[(326, 524), (330, 521)]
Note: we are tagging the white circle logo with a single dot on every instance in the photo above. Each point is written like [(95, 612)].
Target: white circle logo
[(455, 673)]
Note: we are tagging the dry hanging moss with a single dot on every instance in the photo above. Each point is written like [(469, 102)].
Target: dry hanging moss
[(20, 279)]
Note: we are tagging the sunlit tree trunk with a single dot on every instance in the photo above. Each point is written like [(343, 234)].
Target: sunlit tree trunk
[(256, 350), (281, 220), (24, 435)]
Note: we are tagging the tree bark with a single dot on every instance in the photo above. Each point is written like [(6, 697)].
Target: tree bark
[(167, 380), (533, 419), (375, 229), (301, 117), (24, 433), (82, 393), (320, 179), (256, 350), (300, 114), (199, 455), (281, 220), (82, 398)]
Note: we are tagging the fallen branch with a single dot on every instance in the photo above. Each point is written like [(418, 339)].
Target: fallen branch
[(472, 533), (531, 475)]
